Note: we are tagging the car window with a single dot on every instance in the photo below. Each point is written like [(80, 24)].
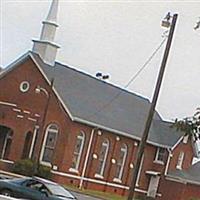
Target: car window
[(57, 190), (36, 185)]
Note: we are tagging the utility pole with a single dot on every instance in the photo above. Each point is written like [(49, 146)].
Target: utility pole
[(151, 110)]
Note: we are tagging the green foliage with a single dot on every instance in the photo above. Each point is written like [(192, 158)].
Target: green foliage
[(28, 167), (24, 167), (194, 198), (189, 125), (44, 172), (144, 197)]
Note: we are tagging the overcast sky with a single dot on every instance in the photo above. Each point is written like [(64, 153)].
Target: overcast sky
[(116, 38)]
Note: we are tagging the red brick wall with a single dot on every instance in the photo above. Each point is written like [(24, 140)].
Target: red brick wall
[(192, 191), (179, 191), (35, 103), (68, 130), (172, 190), (114, 149), (188, 155)]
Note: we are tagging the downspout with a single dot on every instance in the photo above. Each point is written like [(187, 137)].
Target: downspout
[(87, 157), (168, 161)]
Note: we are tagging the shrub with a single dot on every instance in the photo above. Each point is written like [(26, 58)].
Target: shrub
[(24, 167), (28, 167), (44, 172)]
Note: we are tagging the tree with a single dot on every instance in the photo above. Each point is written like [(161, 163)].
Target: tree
[(190, 125)]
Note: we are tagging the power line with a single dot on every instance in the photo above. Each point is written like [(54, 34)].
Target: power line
[(132, 79), (145, 64)]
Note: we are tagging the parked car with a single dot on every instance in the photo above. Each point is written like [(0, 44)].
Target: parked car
[(3, 176), (34, 189), (2, 197)]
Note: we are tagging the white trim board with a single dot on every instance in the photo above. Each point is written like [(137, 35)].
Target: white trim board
[(100, 182)]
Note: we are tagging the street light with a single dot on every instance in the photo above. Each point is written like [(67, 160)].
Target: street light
[(197, 24), (40, 89), (166, 21)]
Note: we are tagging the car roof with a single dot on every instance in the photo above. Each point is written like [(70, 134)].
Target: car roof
[(45, 181)]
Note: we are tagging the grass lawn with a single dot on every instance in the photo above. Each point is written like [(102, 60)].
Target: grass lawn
[(98, 194)]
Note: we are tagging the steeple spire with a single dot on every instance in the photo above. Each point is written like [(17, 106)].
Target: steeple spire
[(46, 47), (52, 16)]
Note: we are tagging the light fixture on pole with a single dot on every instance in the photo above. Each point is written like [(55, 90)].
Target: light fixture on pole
[(40, 89), (166, 22), (197, 26)]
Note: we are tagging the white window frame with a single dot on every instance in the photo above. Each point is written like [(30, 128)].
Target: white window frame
[(180, 160), (44, 143), (80, 136), (5, 143), (157, 156), (185, 139), (106, 144), (140, 171), (123, 149)]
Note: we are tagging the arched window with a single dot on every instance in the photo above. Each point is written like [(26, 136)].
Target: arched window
[(78, 150), (102, 157), (27, 145), (180, 160), (121, 162), (5, 142), (49, 144)]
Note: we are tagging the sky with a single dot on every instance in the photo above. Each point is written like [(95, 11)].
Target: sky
[(115, 38)]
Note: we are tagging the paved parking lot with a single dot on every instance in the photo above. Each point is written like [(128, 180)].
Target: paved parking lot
[(84, 197)]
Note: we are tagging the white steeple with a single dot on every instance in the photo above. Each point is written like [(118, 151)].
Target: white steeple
[(45, 46)]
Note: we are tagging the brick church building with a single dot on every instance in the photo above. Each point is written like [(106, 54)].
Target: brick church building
[(57, 114)]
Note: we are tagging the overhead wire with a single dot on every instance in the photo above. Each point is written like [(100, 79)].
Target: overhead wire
[(132, 79)]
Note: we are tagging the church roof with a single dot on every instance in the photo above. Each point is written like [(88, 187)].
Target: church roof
[(100, 104), (190, 175), (105, 105)]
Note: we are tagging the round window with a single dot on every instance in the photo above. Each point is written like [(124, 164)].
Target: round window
[(24, 86)]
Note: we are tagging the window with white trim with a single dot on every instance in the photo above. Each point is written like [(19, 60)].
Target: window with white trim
[(78, 150), (6, 141), (49, 144), (180, 160), (185, 139), (160, 155), (121, 162), (102, 157), (140, 170)]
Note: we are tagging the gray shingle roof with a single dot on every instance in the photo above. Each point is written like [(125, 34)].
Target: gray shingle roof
[(191, 175), (91, 99)]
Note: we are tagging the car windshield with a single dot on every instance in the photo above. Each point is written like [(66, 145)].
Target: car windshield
[(16, 180), (59, 191)]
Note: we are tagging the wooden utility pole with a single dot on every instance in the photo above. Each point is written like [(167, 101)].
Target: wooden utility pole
[(151, 110)]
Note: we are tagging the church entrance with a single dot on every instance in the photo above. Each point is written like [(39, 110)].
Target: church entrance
[(6, 134)]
